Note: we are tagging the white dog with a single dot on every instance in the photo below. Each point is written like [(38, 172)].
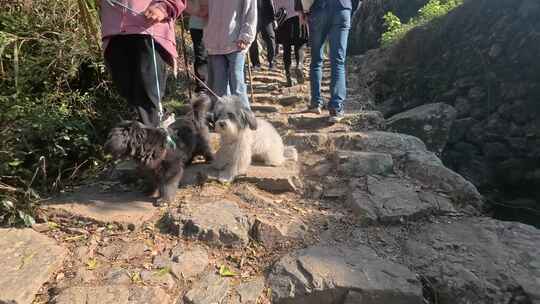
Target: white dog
[(243, 138)]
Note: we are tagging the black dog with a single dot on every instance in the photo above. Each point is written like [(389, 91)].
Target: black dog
[(155, 154)]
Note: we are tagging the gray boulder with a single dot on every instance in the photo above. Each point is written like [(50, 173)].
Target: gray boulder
[(332, 274), (427, 168), (220, 223), (477, 260), (430, 122), (391, 200), (355, 163)]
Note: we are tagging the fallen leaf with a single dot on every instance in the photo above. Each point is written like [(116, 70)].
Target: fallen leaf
[(162, 271), (52, 225), (136, 278), (91, 264), (224, 271)]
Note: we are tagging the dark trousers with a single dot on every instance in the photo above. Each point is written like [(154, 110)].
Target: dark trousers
[(130, 61), (269, 38), (201, 57), (299, 54)]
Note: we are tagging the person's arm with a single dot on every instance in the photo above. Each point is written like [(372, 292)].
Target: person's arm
[(160, 10), (249, 24), (298, 6)]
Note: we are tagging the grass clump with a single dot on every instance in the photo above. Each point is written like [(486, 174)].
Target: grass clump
[(395, 29)]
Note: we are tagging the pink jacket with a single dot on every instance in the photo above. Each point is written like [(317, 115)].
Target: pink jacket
[(116, 20)]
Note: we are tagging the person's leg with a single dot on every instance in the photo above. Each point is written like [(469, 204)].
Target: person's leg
[(237, 82), (287, 62), (269, 38), (339, 33), (201, 58), (218, 65), (318, 30), (120, 63), (149, 100), (254, 53), (299, 53)]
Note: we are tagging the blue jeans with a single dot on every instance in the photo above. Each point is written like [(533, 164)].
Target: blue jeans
[(226, 74), (332, 23)]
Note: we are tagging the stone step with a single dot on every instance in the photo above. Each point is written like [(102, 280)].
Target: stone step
[(319, 122), (371, 141), (265, 98), (265, 108), (267, 79), (28, 260), (325, 272), (271, 179), (105, 203), (288, 101)]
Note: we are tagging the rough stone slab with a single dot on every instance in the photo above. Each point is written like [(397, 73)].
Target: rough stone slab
[(27, 260), (112, 294), (378, 141), (121, 207), (430, 122), (390, 200), (265, 108), (288, 101), (248, 292), (272, 234), (188, 263), (355, 163), (210, 290), (273, 179), (220, 223), (394, 144), (367, 121), (267, 79), (478, 260), (429, 169), (307, 141), (265, 98), (316, 122), (325, 274)]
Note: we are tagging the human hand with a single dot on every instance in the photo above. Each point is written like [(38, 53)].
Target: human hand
[(155, 13), (241, 44)]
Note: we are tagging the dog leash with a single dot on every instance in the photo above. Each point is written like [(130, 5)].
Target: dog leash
[(162, 124)]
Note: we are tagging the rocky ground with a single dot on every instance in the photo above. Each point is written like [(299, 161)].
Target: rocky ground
[(357, 215)]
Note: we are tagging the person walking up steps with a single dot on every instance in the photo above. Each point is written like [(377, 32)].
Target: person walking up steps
[(291, 33), (196, 25), (328, 19), (265, 26), (230, 29), (128, 36)]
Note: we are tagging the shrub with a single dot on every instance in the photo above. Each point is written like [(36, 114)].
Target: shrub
[(434, 9), (55, 101)]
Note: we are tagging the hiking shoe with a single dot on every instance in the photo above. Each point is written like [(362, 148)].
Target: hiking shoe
[(314, 110), (336, 116)]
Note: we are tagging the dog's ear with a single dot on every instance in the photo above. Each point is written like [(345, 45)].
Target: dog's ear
[(248, 118), (200, 106)]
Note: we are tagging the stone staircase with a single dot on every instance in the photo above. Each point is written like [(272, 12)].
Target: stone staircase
[(330, 227)]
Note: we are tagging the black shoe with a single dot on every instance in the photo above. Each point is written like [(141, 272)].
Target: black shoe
[(257, 67), (289, 80)]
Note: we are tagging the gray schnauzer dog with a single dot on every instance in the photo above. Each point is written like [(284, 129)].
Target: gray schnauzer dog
[(151, 149), (243, 138)]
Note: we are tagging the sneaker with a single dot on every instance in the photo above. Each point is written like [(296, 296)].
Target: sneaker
[(314, 110), (336, 116)]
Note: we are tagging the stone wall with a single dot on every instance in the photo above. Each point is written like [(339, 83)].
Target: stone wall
[(482, 59)]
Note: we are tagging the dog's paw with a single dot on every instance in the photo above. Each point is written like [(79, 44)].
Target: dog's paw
[(161, 202)]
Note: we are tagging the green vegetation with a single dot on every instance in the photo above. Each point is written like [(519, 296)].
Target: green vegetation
[(56, 103), (395, 30)]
